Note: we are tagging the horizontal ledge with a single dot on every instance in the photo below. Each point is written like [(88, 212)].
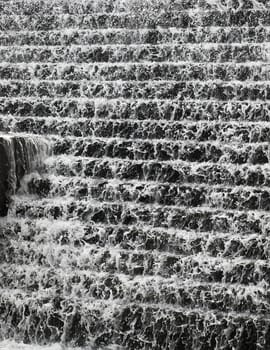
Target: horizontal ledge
[(185, 122), (199, 45), (154, 82), (252, 64), (171, 30), (69, 158), (23, 199), (54, 138), (98, 305), (137, 100), (115, 182)]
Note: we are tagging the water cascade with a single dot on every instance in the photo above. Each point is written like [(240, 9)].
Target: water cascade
[(19, 156), (134, 175)]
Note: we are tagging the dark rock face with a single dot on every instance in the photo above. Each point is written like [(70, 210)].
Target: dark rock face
[(4, 176)]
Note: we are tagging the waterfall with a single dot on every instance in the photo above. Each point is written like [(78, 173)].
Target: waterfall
[(19, 156)]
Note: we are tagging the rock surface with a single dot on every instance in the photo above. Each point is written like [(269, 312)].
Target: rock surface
[(148, 227)]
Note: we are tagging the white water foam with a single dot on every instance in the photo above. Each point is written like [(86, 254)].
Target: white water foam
[(12, 345)]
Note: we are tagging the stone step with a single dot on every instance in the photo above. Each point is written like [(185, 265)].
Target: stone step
[(219, 53), (166, 71), (179, 19), (74, 36), (163, 150), (176, 172), (92, 322), (171, 110), (136, 237), (185, 293), (77, 7), (182, 90), (107, 6), (200, 219), (244, 132), (199, 267), (191, 195)]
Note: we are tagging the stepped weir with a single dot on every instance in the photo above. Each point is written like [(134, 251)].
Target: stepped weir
[(135, 174)]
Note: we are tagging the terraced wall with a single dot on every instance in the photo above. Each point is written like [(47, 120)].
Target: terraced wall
[(148, 225)]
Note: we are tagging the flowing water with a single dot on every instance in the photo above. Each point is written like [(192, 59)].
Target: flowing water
[(137, 137)]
